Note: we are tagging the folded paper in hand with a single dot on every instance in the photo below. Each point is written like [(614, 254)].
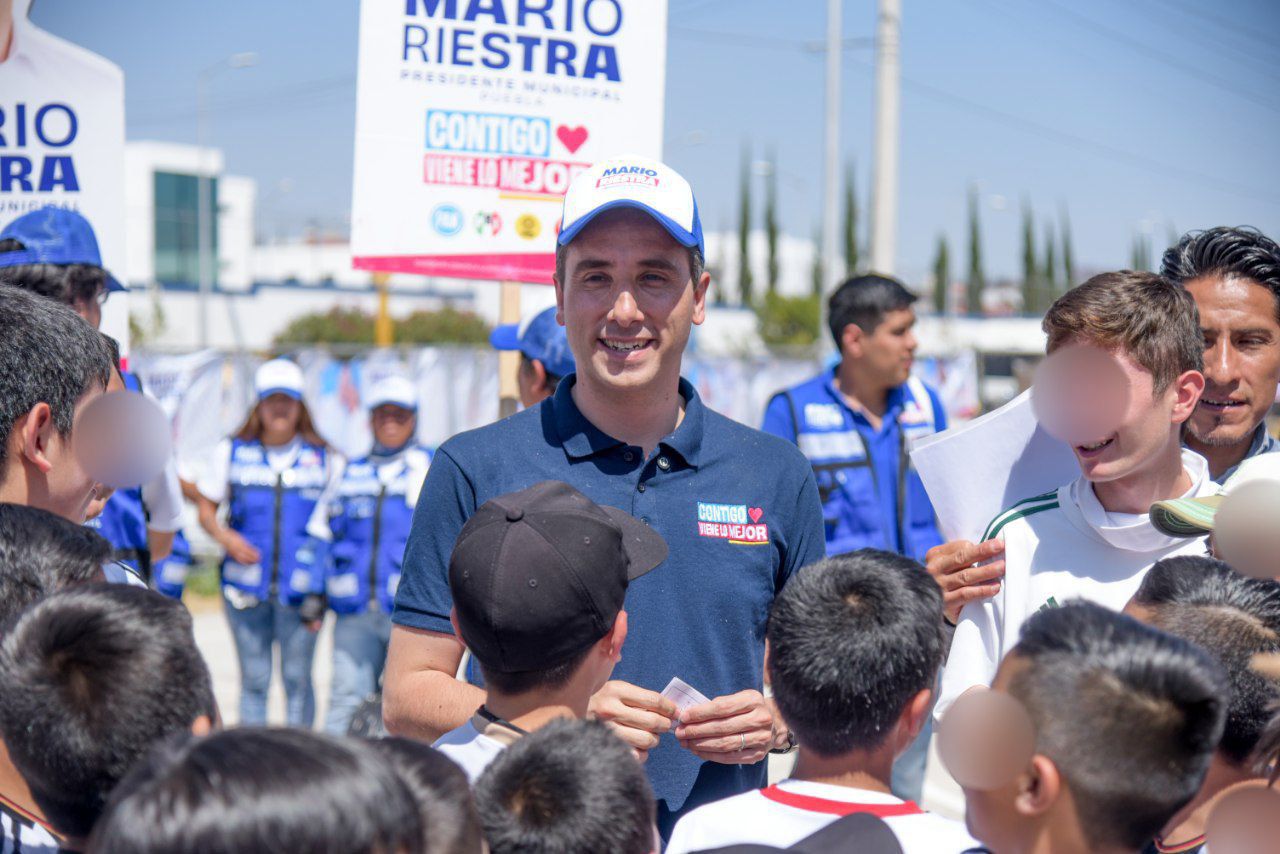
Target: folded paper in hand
[(683, 694)]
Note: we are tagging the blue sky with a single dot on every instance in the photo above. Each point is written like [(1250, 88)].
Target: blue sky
[(1147, 113)]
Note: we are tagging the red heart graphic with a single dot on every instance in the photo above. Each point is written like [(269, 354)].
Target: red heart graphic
[(571, 138), (755, 513)]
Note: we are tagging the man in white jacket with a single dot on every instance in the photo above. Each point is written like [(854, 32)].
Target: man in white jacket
[(1092, 538)]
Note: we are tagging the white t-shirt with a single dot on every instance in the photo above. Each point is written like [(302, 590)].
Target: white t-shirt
[(475, 744), (1059, 546), (213, 483), (784, 814), (18, 834)]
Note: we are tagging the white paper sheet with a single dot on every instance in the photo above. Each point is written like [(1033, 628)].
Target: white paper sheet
[(683, 694), (977, 470)]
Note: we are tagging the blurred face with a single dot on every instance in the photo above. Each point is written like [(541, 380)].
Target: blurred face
[(393, 426), (1148, 426), (68, 490), (992, 815), (1241, 358), (888, 353), (280, 414), (628, 302)]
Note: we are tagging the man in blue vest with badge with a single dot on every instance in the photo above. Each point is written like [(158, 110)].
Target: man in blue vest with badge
[(368, 522), (856, 424)]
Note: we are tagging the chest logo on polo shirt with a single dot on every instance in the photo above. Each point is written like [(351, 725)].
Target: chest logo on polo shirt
[(737, 523)]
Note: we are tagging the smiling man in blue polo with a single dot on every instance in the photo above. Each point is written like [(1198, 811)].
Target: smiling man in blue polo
[(738, 508)]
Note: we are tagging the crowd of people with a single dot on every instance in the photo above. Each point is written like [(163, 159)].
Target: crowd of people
[(587, 626)]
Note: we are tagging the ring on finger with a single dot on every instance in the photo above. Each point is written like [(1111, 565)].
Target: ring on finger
[(743, 746)]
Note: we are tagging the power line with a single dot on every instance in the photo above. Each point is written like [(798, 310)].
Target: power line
[(286, 97), (1219, 19), (1226, 84)]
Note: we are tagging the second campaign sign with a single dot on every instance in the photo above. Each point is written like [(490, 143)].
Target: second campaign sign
[(473, 116)]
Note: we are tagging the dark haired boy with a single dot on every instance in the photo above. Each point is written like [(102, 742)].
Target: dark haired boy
[(1234, 276), (538, 579), (1126, 719), (1093, 538), (571, 786), (52, 364), (854, 646), (40, 554), (856, 423), (1234, 618), (93, 678)]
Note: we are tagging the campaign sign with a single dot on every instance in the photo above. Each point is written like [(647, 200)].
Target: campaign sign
[(62, 141), (472, 117)]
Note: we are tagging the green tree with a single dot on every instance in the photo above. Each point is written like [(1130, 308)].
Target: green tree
[(789, 321), (851, 258), (745, 295), (771, 222), (1030, 269), (941, 276), (1049, 277), (1068, 259), (355, 326), (1140, 254), (976, 282), (817, 281)]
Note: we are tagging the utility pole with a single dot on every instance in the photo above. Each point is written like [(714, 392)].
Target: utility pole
[(831, 166), (884, 190)]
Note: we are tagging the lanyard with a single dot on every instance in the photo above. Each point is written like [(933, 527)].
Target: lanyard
[(494, 719)]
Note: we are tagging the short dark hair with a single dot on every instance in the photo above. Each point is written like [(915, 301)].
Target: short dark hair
[(697, 263), (1233, 617), (864, 301), (1241, 252), (41, 553), (93, 677), (66, 283), (255, 790), (1130, 715), (1147, 317), (851, 640), (569, 786), (47, 353), (524, 681), (450, 824)]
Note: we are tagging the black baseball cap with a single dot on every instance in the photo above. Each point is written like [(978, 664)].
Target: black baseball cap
[(859, 833), (539, 575)]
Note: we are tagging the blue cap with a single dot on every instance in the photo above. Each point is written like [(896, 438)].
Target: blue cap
[(539, 337), (54, 235)]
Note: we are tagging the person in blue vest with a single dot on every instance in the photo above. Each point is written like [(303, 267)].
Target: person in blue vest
[(53, 252), (856, 423), (271, 474), (368, 521)]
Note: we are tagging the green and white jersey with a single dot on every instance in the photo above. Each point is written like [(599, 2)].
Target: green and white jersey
[(1059, 546)]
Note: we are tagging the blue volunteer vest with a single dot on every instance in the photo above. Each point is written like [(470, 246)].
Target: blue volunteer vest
[(850, 478), (370, 521), (271, 511), (169, 576)]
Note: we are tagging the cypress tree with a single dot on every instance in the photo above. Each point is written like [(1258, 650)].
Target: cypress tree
[(771, 222), (1030, 270), (976, 282), (745, 295), (851, 259), (941, 276)]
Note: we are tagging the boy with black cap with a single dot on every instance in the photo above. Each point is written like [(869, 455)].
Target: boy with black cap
[(538, 579)]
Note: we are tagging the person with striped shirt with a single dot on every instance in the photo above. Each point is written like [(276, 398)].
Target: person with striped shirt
[(1092, 538)]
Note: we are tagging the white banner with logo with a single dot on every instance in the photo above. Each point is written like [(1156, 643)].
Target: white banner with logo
[(472, 117), (62, 141)]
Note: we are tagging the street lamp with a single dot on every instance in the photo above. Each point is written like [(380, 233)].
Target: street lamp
[(204, 235)]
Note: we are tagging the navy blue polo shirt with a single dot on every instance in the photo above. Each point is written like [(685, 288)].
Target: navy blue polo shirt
[(739, 511)]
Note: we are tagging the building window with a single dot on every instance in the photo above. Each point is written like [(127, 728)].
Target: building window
[(177, 242)]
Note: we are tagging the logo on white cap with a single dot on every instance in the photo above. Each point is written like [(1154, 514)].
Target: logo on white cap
[(634, 182), (278, 376)]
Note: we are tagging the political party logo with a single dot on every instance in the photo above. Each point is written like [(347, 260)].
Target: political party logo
[(737, 523), (528, 226), (628, 176), (487, 223), (446, 220)]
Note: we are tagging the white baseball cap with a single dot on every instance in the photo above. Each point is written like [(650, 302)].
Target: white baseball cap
[(1194, 517), (394, 390), (633, 182), (279, 376)]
